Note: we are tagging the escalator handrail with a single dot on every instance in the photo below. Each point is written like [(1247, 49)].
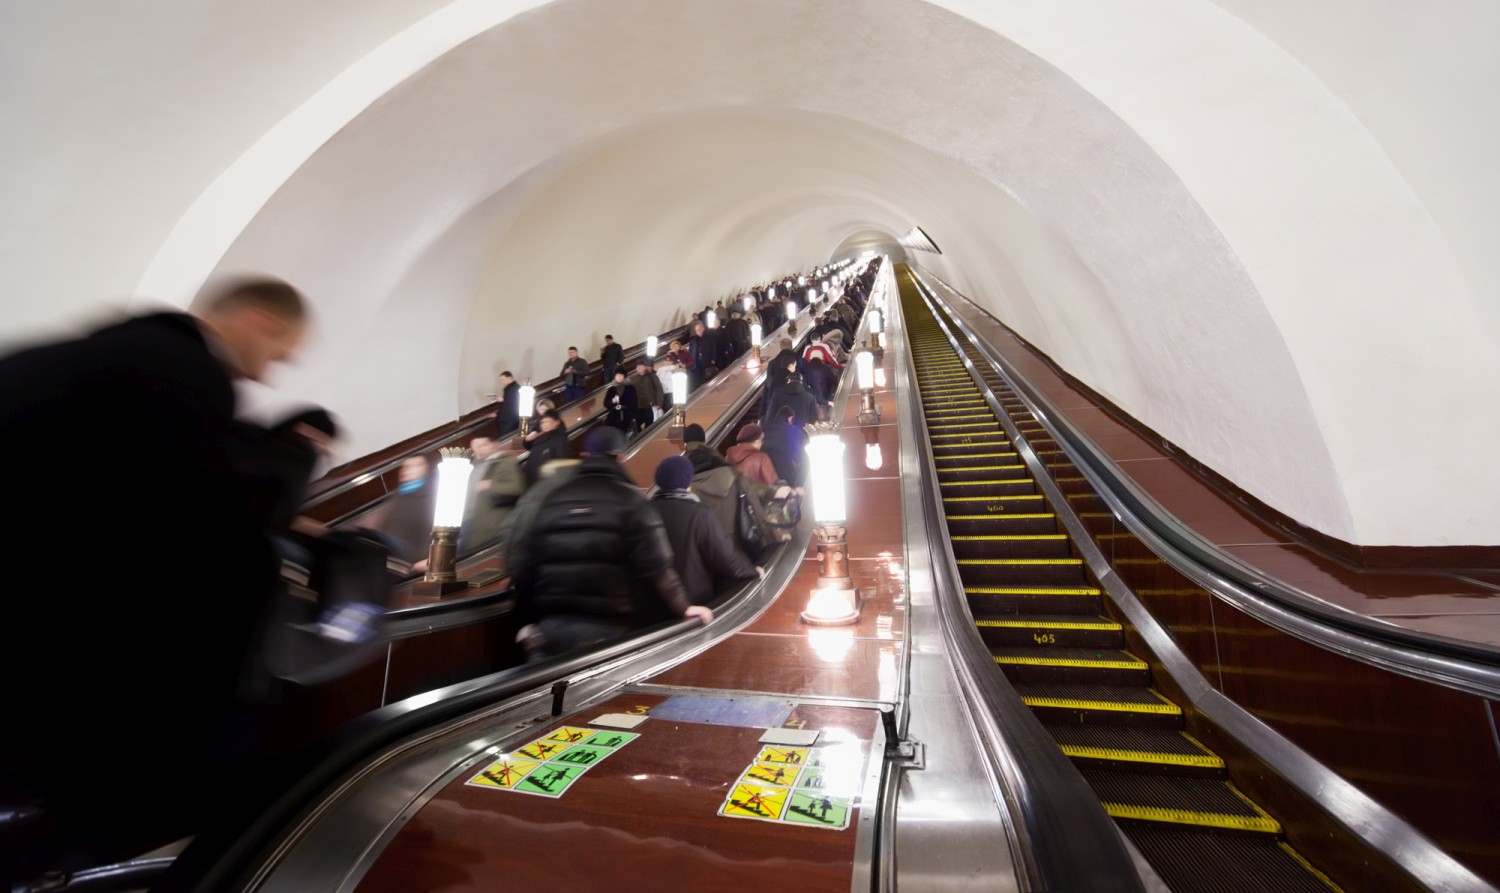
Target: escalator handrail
[(1466, 666), (1064, 839)]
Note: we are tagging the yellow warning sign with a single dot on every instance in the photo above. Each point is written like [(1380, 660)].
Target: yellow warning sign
[(503, 773), (569, 735), (752, 801), (783, 774), (795, 756), (542, 750)]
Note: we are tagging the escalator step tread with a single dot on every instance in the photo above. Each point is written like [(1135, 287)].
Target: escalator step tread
[(1082, 657), (1070, 693), (1197, 861), (1047, 621), (1178, 800), (1104, 741)]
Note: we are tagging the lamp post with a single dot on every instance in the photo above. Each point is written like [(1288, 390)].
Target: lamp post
[(877, 333), (711, 320), (442, 554), (679, 404), (833, 601), (755, 339), (791, 318), (652, 344), (526, 405), (864, 368), (748, 303)]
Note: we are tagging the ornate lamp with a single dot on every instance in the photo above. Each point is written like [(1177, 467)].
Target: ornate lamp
[(442, 554), (526, 405), (834, 601), (791, 317), (876, 341), (748, 303), (755, 339), (711, 320), (864, 368), (652, 343), (679, 404)]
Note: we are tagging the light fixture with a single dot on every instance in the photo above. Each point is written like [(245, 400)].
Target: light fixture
[(877, 324), (525, 406), (864, 367), (873, 460), (833, 601), (748, 303), (755, 339), (801, 281), (711, 319), (791, 317), (447, 517), (679, 404), (770, 291), (653, 343)]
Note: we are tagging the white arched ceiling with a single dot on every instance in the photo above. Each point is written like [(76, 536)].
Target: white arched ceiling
[(1158, 194)]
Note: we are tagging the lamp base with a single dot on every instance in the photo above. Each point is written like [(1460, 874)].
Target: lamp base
[(832, 607), (436, 589)]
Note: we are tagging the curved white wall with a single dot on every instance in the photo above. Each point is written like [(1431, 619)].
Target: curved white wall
[(1201, 210)]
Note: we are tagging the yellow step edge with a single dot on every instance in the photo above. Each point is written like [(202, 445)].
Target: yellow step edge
[(996, 468), (1047, 624), (1262, 823), (1030, 590), (1061, 562), (983, 483), (1287, 848), (966, 415), (1166, 708), (1024, 516), (1002, 538), (1099, 664), (945, 426), (1009, 498), (1203, 760)]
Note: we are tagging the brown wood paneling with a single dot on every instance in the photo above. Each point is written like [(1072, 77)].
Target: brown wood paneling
[(422, 663)]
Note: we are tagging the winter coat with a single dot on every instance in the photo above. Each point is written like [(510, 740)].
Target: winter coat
[(784, 444), (619, 405), (488, 511), (792, 392), (705, 557), (718, 486), (648, 390), (752, 462), (547, 446)]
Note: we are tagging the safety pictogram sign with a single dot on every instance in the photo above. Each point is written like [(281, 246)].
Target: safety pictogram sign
[(754, 801), (801, 785), (549, 765)]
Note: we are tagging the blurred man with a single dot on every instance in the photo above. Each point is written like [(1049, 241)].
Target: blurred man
[(611, 357), (139, 664), (508, 416), (649, 395), (589, 557), (495, 486), (575, 374)]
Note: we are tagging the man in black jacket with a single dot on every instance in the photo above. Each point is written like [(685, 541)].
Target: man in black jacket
[(143, 671), (611, 357), (575, 374), (550, 443), (704, 556), (589, 558), (704, 349), (508, 416)]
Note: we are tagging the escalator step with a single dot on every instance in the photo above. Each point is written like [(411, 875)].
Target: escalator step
[(1128, 749), (1068, 704), (1025, 545), (994, 601), (1051, 630), (1104, 666), (1194, 861), (1017, 522), (1173, 800)]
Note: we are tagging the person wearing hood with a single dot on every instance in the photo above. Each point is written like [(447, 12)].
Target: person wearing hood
[(793, 392), (704, 556), (776, 372), (719, 487)]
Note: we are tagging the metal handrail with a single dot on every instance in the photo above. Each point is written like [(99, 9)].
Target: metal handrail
[(1465, 666)]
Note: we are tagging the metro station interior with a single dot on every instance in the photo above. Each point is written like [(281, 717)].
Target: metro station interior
[(1151, 540)]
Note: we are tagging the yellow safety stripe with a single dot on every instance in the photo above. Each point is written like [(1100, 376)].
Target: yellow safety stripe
[(1029, 590), (953, 426), (1091, 663), (1205, 760), (1012, 496), (1000, 455), (1166, 708), (1071, 562), (996, 537), (1028, 516), (1047, 624), (966, 415), (1287, 848), (1262, 822)]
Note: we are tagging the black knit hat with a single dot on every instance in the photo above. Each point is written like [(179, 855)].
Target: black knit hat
[(694, 434), (674, 473)]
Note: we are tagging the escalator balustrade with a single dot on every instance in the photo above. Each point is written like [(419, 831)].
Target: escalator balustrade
[(1046, 624)]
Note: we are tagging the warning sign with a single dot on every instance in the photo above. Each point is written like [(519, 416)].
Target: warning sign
[(549, 765), (780, 774), (503, 773), (795, 756), (812, 808), (752, 801), (569, 735), (542, 750), (611, 739), (549, 780)]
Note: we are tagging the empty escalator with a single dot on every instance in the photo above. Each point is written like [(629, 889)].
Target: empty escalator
[(1046, 623)]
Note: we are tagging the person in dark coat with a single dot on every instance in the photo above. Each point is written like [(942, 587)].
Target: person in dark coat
[(407, 516), (650, 397), (784, 441), (705, 558), (620, 403), (611, 357), (822, 381), (794, 393), (508, 416), (704, 348), (551, 443), (575, 375), (589, 557), (153, 661)]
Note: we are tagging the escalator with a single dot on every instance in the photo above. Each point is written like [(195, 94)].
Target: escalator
[(1049, 630)]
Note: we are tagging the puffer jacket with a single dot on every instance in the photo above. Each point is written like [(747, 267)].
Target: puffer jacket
[(585, 543)]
